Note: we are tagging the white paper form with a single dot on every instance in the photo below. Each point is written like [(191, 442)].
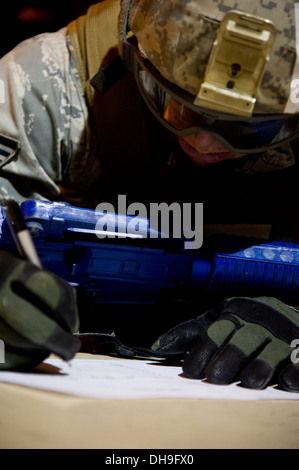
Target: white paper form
[(131, 379)]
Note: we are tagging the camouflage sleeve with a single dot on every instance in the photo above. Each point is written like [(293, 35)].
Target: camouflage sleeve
[(44, 109)]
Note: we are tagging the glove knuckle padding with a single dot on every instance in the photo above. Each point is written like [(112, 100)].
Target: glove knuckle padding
[(250, 341), (279, 319), (37, 314), (220, 330)]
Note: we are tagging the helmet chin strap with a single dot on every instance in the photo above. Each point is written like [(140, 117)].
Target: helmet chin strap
[(123, 21), (108, 76)]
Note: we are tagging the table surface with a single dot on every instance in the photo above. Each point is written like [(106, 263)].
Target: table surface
[(34, 419)]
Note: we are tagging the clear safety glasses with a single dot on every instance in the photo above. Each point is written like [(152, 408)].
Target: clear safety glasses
[(174, 108)]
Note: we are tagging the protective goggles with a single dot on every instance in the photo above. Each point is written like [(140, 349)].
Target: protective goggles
[(174, 108)]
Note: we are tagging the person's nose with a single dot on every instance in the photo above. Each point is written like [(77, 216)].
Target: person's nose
[(204, 143)]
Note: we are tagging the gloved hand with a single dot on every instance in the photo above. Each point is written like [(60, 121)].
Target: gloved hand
[(38, 314), (242, 339)]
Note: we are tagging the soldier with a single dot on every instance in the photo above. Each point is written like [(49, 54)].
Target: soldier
[(206, 113)]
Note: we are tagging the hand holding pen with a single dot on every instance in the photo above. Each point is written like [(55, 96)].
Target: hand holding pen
[(40, 312)]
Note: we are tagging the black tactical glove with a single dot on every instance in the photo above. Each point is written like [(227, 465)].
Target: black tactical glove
[(242, 339), (38, 314)]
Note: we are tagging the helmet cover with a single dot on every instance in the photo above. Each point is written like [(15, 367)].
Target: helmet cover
[(177, 37)]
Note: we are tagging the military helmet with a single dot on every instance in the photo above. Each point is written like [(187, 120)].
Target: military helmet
[(224, 67)]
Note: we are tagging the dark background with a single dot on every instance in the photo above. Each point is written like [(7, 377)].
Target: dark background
[(24, 19)]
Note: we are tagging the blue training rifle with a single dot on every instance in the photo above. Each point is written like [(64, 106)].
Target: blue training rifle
[(135, 269)]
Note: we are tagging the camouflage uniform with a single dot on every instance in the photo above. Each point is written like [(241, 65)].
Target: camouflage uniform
[(46, 111)]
